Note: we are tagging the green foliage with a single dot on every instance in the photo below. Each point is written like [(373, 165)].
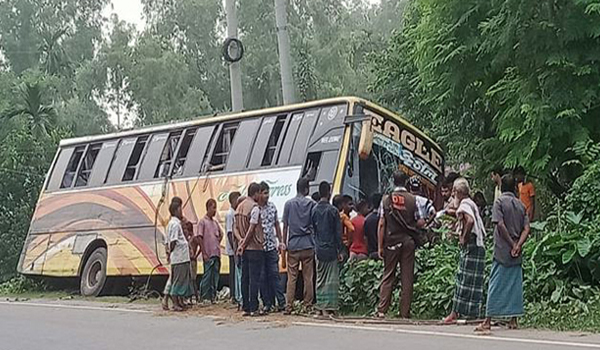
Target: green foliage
[(584, 196), (435, 273), (580, 315), (435, 280), (565, 259), (21, 284), (510, 80), (39, 117), (161, 84), (358, 286), (52, 32), (24, 160)]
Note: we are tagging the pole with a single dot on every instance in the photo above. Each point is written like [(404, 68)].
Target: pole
[(235, 73), (285, 60)]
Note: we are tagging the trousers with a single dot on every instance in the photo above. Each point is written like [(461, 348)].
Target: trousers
[(306, 258), (252, 268), (271, 290), (405, 256)]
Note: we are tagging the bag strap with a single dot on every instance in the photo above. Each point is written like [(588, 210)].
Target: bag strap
[(398, 216)]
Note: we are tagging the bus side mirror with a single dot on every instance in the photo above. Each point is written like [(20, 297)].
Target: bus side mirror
[(365, 146)]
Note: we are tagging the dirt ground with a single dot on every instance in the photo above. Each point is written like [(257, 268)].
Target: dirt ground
[(225, 313)]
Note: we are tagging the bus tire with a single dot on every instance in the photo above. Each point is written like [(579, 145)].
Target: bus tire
[(93, 276)]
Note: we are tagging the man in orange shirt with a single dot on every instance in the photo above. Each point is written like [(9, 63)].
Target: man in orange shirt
[(344, 205), (526, 191)]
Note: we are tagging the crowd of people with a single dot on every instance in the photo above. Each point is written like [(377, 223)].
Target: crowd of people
[(320, 233)]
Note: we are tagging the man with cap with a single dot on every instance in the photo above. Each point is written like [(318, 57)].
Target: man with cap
[(424, 205)]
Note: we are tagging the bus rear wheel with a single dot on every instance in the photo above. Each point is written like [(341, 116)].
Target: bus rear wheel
[(93, 276)]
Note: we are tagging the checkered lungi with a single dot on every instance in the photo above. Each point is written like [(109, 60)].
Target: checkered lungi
[(468, 295)]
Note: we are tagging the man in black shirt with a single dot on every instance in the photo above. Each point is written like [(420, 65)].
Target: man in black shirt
[(371, 222), (328, 241)]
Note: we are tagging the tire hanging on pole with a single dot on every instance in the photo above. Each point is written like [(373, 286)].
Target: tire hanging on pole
[(226, 50)]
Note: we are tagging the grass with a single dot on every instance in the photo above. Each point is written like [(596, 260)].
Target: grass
[(569, 316), (22, 288)]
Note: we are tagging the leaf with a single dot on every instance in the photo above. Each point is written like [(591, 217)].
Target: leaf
[(568, 255), (538, 225), (584, 246), (557, 292), (574, 218)]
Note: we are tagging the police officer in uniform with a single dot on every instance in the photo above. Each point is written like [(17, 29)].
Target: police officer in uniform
[(399, 220)]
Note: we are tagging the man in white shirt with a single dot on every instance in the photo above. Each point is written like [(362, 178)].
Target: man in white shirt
[(179, 257), (424, 205)]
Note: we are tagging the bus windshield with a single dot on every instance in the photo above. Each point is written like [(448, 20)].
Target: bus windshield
[(394, 147)]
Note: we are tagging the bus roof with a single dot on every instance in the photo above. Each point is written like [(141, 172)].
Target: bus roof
[(239, 115)]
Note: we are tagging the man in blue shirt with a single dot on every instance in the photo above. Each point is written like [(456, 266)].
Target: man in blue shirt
[(298, 234), (328, 236)]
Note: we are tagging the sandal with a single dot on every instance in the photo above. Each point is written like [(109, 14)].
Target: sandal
[(379, 315)]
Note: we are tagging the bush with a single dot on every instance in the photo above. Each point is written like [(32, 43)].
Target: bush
[(584, 196), (563, 263), (435, 279), (572, 315), (435, 272), (359, 286), (20, 285)]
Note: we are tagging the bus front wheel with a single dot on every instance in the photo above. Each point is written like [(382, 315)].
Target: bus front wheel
[(93, 277)]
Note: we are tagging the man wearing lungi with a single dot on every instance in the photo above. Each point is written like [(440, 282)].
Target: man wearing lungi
[(505, 294)]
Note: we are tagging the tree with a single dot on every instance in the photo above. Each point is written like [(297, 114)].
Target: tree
[(161, 84), (39, 117), (28, 25), (53, 56), (116, 57), (506, 80), (193, 29)]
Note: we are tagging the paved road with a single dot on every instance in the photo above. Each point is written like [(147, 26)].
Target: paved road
[(35, 326)]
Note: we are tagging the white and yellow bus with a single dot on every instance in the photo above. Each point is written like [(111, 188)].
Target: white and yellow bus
[(104, 204)]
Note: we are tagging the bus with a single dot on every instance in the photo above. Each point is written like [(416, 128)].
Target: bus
[(103, 209)]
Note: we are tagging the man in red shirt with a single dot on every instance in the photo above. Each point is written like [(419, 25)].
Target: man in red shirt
[(358, 248)]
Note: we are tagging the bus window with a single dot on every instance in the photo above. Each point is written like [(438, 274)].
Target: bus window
[(290, 138), (198, 150), (183, 151), (168, 153), (327, 167), (311, 167), (58, 170), (134, 159), (85, 169), (222, 147), (242, 146), (304, 133), (273, 143), (67, 180), (267, 141), (103, 162)]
